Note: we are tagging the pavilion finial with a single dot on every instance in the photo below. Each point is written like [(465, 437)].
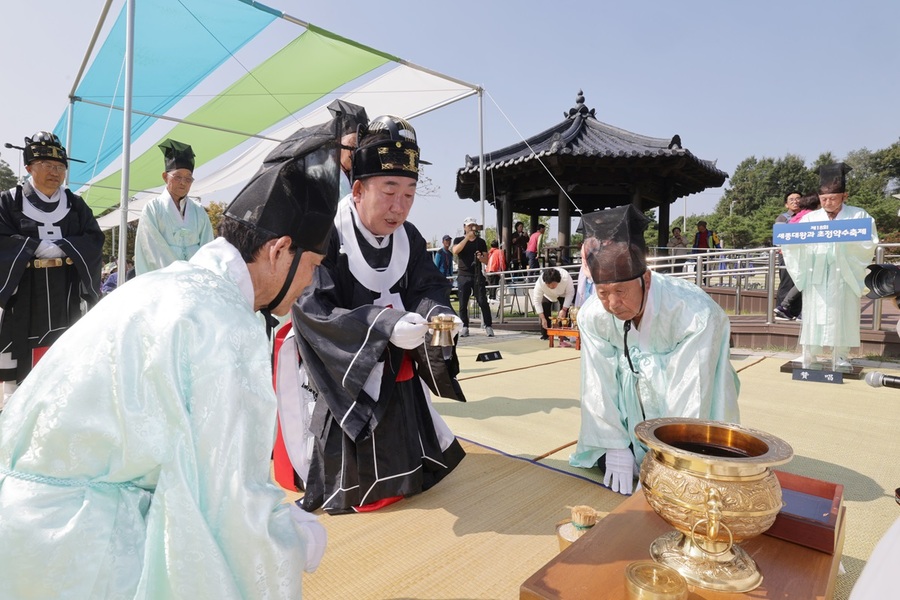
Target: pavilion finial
[(579, 108)]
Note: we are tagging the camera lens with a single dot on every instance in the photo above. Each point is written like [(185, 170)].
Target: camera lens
[(883, 281)]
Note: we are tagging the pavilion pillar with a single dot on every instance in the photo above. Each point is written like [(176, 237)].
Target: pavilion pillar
[(504, 224), (565, 228), (664, 220)]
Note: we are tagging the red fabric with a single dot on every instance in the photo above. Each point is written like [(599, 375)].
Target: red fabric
[(37, 354), (378, 504), (406, 369), (284, 470), (496, 260)]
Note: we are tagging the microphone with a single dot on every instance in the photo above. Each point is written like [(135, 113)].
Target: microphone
[(876, 379)]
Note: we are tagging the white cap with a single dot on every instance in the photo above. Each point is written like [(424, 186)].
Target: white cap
[(470, 221)]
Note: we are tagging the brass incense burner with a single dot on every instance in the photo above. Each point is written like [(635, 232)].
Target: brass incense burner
[(713, 483), (441, 328)]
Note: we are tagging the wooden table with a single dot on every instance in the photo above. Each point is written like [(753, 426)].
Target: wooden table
[(564, 332), (594, 566)]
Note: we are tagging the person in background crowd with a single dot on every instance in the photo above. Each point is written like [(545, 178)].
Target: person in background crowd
[(585, 285), (443, 258), (51, 250), (496, 264), (173, 226), (678, 247), (790, 306), (112, 280), (472, 256), (519, 245), (705, 240), (553, 284), (535, 247)]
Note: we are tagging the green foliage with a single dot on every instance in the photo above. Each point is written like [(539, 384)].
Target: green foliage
[(755, 196), (111, 242), (8, 179), (216, 210)]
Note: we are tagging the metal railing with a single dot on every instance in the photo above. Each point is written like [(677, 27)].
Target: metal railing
[(739, 270)]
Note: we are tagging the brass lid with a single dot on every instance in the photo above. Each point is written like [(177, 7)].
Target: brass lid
[(648, 580)]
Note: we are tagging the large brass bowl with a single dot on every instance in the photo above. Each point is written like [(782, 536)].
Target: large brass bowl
[(713, 483)]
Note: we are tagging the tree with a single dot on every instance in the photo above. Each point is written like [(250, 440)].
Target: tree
[(758, 183), (216, 211), (8, 179)]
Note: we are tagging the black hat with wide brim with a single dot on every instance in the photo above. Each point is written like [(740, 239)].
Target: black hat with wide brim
[(178, 155), (616, 250), (298, 195)]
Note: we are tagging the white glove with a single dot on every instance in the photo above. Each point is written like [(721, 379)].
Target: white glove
[(409, 332), (314, 534), (619, 476), (49, 250)]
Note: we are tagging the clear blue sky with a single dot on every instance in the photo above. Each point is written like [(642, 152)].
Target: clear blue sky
[(733, 79)]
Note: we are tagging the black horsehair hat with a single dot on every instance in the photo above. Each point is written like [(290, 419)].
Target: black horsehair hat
[(352, 115), (616, 247), (178, 155), (296, 194), (44, 145), (386, 146), (833, 178)]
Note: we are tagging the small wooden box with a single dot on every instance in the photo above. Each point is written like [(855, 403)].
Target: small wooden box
[(810, 514)]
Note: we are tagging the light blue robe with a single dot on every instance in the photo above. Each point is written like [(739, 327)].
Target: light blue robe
[(135, 458), (831, 277), (681, 353), (164, 236)]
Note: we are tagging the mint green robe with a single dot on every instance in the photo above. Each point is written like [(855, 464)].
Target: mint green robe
[(832, 279), (164, 235), (135, 458), (682, 354)]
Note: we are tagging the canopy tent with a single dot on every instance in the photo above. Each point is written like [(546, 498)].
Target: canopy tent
[(287, 90)]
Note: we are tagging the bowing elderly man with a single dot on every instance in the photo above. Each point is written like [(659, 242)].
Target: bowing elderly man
[(50, 260), (135, 462), (651, 346), (173, 225), (832, 275)]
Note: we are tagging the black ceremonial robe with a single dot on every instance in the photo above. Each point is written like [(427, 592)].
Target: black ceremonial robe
[(40, 304), (379, 439)]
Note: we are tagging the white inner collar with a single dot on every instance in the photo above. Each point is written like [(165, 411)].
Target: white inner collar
[(379, 281)]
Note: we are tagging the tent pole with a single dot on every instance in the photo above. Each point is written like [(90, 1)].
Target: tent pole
[(481, 152), (90, 49), (126, 138), (70, 117)]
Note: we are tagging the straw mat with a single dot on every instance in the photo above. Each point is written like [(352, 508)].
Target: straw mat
[(478, 534)]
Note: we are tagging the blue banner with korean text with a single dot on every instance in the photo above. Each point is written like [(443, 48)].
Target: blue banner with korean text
[(816, 232)]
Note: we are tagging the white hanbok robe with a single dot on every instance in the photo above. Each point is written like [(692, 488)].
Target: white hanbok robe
[(681, 353), (135, 459), (164, 235), (831, 277)]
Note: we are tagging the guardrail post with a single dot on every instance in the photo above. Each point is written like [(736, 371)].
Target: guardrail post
[(770, 285), (876, 308)]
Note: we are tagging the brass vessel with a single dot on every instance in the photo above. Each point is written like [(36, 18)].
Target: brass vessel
[(713, 483)]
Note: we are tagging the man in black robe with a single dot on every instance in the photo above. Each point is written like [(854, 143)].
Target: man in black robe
[(50, 259), (362, 330)]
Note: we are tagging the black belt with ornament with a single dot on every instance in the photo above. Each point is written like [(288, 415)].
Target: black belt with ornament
[(47, 263)]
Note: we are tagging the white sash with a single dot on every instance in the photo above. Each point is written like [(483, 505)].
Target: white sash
[(379, 282), (47, 229)]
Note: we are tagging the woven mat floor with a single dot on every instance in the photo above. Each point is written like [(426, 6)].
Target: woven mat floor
[(487, 527)]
